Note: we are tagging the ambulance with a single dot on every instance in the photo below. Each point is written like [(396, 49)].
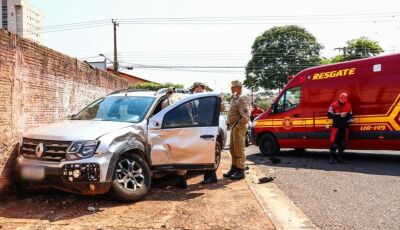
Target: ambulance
[(298, 116)]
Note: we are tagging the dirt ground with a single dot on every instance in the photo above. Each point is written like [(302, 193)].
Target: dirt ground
[(226, 205)]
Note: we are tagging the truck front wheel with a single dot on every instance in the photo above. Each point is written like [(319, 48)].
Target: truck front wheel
[(268, 145), (131, 178)]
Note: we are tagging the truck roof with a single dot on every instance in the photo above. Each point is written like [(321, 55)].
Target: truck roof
[(364, 63), (358, 62)]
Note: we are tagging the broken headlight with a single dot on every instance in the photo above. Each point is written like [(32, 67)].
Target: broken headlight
[(82, 149)]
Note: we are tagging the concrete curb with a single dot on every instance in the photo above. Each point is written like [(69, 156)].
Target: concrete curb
[(283, 213)]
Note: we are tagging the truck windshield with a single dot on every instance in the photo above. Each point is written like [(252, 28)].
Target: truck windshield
[(121, 109)]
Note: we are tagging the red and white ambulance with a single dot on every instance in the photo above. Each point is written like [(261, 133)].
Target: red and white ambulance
[(298, 116)]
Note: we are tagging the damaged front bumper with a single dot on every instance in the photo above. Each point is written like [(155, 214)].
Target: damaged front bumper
[(80, 177)]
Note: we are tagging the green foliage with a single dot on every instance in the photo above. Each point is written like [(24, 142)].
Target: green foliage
[(263, 104), (336, 59), (228, 97), (278, 53), (362, 48), (153, 86), (355, 49)]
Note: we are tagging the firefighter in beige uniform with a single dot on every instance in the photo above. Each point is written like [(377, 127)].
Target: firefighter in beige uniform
[(238, 118)]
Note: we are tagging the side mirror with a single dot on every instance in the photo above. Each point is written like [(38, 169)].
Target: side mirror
[(154, 123)]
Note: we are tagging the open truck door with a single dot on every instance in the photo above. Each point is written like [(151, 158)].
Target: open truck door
[(184, 135)]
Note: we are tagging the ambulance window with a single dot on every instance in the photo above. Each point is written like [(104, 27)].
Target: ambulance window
[(292, 99), (289, 100)]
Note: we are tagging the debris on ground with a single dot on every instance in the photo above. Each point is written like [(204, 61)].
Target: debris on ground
[(265, 179), (275, 160), (91, 209)]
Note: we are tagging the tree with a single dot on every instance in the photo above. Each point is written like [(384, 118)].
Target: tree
[(361, 47), (278, 53)]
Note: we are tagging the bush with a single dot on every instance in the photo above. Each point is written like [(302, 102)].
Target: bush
[(153, 86), (264, 105)]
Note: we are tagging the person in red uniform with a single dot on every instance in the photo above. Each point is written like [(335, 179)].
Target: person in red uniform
[(255, 112), (341, 113)]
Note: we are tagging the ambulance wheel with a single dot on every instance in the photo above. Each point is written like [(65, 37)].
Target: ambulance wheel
[(268, 145), (247, 140)]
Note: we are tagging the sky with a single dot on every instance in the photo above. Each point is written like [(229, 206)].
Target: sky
[(208, 43)]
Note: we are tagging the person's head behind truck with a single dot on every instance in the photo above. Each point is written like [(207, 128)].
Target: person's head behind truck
[(198, 87), (170, 91)]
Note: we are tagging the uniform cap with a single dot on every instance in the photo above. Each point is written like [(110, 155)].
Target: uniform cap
[(236, 83), (198, 84)]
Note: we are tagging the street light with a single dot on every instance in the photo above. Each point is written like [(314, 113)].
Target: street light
[(122, 67), (102, 55)]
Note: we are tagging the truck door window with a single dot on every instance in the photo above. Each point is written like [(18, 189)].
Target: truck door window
[(289, 100), (195, 113), (292, 99)]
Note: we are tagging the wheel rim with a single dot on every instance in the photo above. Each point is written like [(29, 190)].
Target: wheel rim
[(129, 175)]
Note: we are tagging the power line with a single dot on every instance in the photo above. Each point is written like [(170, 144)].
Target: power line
[(338, 18)]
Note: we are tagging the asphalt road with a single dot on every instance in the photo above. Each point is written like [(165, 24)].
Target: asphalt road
[(364, 193)]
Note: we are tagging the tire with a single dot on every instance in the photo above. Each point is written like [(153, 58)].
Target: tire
[(218, 150), (268, 145), (131, 178), (247, 140)]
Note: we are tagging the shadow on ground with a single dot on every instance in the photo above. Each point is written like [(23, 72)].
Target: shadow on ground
[(54, 205), (368, 162)]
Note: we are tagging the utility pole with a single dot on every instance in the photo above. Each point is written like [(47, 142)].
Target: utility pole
[(115, 24), (344, 50)]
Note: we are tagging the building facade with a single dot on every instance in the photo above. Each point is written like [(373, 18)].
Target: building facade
[(19, 17)]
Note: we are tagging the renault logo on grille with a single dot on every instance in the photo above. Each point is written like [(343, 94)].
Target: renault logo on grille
[(39, 150)]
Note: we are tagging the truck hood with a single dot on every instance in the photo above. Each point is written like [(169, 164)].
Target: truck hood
[(75, 130)]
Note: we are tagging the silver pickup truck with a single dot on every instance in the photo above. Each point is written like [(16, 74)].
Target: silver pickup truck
[(117, 143)]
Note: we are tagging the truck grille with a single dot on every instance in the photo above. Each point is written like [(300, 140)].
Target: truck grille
[(54, 151)]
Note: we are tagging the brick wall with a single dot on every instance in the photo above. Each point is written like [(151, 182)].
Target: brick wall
[(39, 85)]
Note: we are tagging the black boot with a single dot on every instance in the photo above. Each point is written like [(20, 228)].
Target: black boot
[(339, 157), (230, 172), (238, 175), (210, 177), (332, 155), (181, 182)]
